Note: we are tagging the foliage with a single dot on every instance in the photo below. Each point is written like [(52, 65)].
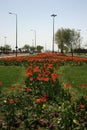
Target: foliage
[(32, 49), (39, 48), (67, 37), (5, 49), (35, 99), (26, 48), (42, 103), (57, 59)]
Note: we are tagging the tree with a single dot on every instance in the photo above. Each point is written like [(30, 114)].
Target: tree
[(26, 48), (59, 39), (67, 37), (39, 48), (1, 49), (32, 49), (5, 49)]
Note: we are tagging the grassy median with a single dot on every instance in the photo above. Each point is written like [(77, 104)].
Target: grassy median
[(76, 76), (11, 75)]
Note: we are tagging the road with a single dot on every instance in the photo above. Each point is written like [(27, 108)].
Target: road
[(12, 55)]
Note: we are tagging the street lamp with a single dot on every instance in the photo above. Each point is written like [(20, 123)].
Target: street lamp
[(16, 30), (5, 39), (53, 15), (35, 35)]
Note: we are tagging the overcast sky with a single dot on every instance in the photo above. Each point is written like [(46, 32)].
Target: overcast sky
[(36, 15)]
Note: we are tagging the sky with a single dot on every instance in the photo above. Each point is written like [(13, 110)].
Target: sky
[(36, 15)]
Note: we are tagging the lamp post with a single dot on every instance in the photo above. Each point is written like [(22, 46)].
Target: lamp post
[(35, 35), (5, 39), (16, 30), (53, 15)]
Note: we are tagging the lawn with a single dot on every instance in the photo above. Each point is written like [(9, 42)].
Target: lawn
[(76, 76), (12, 75)]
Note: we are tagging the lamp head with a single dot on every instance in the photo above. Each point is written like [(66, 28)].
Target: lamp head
[(53, 15), (10, 13)]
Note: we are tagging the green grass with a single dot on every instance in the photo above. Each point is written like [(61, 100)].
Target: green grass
[(75, 75), (11, 75)]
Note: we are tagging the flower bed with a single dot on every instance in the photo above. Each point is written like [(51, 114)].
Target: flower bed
[(41, 58), (43, 104)]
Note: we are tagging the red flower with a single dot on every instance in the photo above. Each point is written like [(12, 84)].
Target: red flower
[(11, 101), (19, 87), (37, 100), (36, 69), (46, 79), (82, 106), (29, 74), (39, 77), (54, 77), (68, 86), (31, 79), (83, 85), (12, 87), (0, 83), (43, 99), (28, 89)]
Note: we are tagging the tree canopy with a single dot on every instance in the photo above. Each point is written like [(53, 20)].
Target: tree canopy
[(26, 47), (67, 38), (39, 48), (5, 49)]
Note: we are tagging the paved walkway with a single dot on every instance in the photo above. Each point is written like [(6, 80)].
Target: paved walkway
[(12, 55)]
